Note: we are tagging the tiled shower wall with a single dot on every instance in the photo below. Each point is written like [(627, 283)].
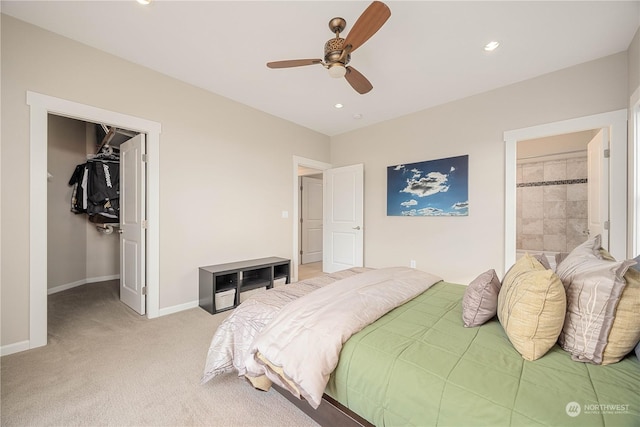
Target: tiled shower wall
[(551, 204)]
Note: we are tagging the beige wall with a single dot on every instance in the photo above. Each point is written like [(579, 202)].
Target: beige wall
[(225, 168), (634, 63), (66, 232), (460, 248)]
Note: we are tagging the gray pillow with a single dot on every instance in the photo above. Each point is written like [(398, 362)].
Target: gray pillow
[(638, 349), (542, 258), (480, 300), (593, 286)]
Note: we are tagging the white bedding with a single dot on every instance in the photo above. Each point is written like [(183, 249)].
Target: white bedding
[(300, 347), (230, 343)]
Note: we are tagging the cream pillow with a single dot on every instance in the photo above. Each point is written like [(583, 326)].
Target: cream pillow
[(625, 330), (531, 307), (480, 300), (593, 287)]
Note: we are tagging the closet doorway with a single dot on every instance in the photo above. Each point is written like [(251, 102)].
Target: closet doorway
[(40, 107), (95, 208)]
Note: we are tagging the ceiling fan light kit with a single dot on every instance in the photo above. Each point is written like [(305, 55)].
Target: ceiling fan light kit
[(337, 50)]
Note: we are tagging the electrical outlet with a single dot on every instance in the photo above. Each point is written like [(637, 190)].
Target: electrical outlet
[(412, 263)]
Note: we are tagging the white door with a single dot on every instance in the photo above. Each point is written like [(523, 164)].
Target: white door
[(343, 218), (598, 187), (311, 219), (132, 216)]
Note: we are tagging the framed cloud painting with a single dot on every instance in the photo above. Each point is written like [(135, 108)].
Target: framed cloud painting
[(430, 188)]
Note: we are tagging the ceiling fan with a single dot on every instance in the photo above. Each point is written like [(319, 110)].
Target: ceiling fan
[(337, 51)]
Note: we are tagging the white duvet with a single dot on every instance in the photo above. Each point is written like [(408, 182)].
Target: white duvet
[(299, 348), (230, 343)]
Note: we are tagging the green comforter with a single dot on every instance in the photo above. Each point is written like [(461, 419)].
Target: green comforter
[(418, 366)]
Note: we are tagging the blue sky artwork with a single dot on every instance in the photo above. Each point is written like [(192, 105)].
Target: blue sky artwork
[(431, 188)]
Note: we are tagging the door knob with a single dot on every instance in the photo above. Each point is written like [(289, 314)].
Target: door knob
[(356, 228)]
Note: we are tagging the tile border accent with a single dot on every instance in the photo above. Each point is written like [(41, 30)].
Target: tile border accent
[(559, 182)]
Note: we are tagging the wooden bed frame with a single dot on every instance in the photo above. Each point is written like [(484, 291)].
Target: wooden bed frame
[(330, 413)]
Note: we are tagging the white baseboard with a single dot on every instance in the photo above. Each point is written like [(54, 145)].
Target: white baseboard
[(17, 347), (177, 308), (71, 285)]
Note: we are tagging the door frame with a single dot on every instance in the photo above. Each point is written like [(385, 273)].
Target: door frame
[(300, 162), (634, 174), (616, 122), (40, 107)]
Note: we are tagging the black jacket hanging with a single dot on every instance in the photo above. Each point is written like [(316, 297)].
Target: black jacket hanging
[(96, 188)]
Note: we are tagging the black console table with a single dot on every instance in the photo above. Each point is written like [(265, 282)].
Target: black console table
[(240, 276)]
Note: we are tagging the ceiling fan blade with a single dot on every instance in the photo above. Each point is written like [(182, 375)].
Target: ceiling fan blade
[(367, 24), (293, 63), (358, 81)]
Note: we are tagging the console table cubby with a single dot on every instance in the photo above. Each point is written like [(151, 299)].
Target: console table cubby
[(240, 276)]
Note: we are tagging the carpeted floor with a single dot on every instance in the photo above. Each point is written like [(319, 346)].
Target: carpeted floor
[(106, 365)]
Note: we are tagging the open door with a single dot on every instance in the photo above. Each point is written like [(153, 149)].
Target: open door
[(311, 220), (132, 223), (343, 218), (598, 186)]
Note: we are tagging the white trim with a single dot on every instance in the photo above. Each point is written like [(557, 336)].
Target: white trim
[(180, 307), (616, 121), (40, 106), (66, 286), (17, 347), (634, 174), (297, 162)]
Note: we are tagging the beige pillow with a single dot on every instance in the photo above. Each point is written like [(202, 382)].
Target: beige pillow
[(480, 301), (593, 288), (531, 307), (625, 330)]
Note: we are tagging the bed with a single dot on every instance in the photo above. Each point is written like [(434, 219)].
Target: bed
[(418, 365)]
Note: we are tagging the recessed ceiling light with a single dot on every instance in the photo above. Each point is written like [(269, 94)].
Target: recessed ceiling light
[(491, 46), (145, 2), (338, 105), (357, 116)]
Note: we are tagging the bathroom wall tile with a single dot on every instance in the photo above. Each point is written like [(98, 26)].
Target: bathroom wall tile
[(532, 242), (554, 226), (555, 210), (577, 192), (577, 168), (532, 172), (532, 226), (577, 232), (518, 174), (555, 193), (532, 210), (555, 170), (533, 194), (577, 209), (555, 242)]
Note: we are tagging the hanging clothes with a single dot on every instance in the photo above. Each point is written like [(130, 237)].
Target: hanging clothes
[(96, 188)]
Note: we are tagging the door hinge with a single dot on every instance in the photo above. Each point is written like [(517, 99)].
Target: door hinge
[(300, 252), (145, 158), (144, 224), (144, 290), (607, 225), (607, 153)]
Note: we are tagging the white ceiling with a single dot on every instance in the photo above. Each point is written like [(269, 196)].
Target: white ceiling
[(428, 53)]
